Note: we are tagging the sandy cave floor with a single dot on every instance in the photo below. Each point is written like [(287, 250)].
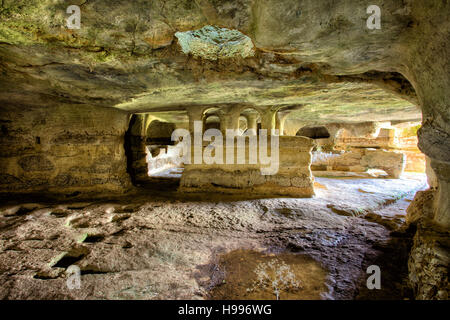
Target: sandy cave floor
[(158, 244)]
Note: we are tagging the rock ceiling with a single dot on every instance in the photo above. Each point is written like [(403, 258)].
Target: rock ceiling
[(317, 59)]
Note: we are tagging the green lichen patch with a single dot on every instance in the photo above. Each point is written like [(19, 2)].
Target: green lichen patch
[(215, 43)]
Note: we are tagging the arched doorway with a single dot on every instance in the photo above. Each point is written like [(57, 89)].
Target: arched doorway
[(250, 119), (320, 132)]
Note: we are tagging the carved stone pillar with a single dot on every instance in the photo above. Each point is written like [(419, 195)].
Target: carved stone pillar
[(194, 114), (230, 119), (252, 122), (280, 120), (268, 121)]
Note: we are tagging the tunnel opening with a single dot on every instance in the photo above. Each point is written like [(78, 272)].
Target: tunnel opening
[(250, 119), (212, 119), (152, 156), (388, 150), (130, 145), (162, 152), (314, 132)]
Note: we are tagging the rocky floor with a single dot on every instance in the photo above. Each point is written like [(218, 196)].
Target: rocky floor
[(158, 244)]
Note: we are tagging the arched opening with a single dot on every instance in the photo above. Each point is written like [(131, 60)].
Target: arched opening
[(250, 119), (243, 123), (212, 122), (162, 152), (152, 156), (160, 132), (319, 132), (135, 149), (212, 119), (368, 150), (130, 144)]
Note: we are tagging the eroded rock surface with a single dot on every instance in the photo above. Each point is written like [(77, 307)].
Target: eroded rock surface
[(360, 160), (287, 174), (64, 150), (67, 97), (169, 248)]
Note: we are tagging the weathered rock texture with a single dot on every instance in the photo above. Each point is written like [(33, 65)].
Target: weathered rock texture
[(166, 245), (68, 150), (360, 160), (391, 137), (429, 260), (215, 43), (292, 178), (136, 148), (315, 58)]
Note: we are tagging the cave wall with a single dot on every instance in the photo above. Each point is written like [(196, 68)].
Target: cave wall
[(392, 139), (360, 160), (63, 150), (136, 148), (429, 258), (427, 67)]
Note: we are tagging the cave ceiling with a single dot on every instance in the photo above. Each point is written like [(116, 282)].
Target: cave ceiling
[(315, 58)]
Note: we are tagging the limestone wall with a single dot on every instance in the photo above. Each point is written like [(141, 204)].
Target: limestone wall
[(429, 259), (346, 139), (403, 139), (293, 178), (360, 160), (136, 149), (67, 149)]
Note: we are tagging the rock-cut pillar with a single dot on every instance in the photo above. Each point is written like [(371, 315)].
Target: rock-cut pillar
[(252, 122), (230, 120), (280, 121), (194, 114), (268, 121)]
